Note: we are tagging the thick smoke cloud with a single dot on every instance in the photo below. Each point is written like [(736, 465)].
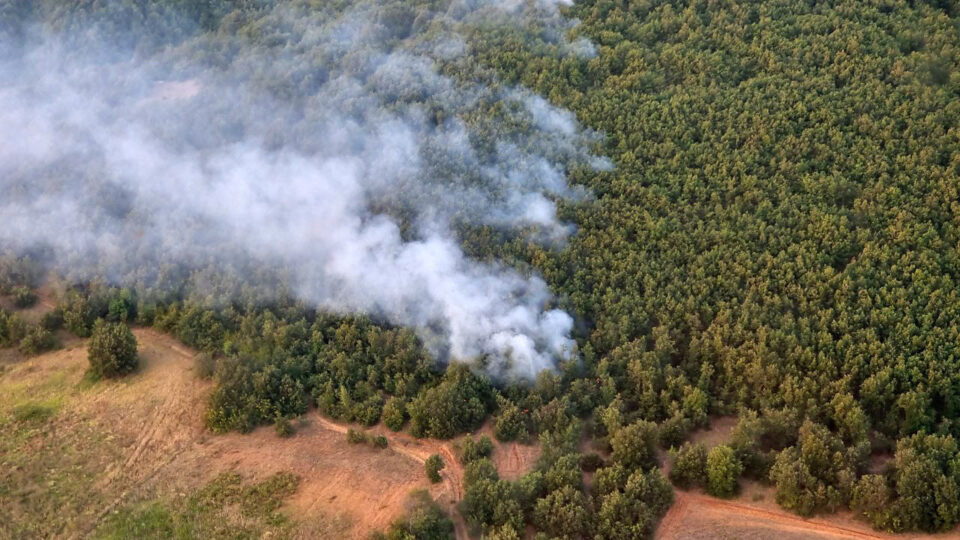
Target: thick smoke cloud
[(329, 146)]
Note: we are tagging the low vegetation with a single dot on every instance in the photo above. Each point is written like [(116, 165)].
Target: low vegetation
[(208, 512), (433, 465), (359, 437), (424, 521)]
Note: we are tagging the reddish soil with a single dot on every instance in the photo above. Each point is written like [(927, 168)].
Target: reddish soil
[(755, 516), (154, 443), (512, 459)]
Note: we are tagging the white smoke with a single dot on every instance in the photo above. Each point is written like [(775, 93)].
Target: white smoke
[(352, 187)]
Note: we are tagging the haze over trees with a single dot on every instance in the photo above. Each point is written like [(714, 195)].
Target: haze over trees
[(776, 238)]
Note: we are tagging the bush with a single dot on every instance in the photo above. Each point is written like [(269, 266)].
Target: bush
[(356, 437), (394, 414), (816, 473), (457, 405), (591, 462), (37, 340), (510, 424), (629, 507), (52, 320), (673, 431), (12, 329), (723, 471), (23, 297), (563, 513), (635, 446), (689, 466), (424, 521), (283, 427), (359, 437), (433, 465), (871, 499), (112, 351), (206, 365), (473, 449)]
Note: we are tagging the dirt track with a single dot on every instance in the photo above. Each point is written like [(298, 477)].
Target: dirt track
[(419, 450), (696, 516)]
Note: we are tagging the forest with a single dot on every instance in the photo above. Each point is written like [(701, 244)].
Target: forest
[(775, 236)]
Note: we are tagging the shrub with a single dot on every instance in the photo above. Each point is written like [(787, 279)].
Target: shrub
[(12, 329), (591, 462), (723, 471), (283, 427), (563, 513), (630, 507), (433, 465), (33, 412), (394, 414), (673, 431), (510, 423), (689, 466), (52, 320), (871, 499), (457, 405), (473, 449), (112, 351), (424, 520), (635, 446), (37, 340), (356, 437), (206, 365), (816, 473), (23, 297)]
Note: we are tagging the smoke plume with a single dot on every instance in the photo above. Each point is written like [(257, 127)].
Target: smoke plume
[(326, 144)]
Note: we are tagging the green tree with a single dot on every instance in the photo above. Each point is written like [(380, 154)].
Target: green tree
[(817, 473), (635, 445), (723, 471), (689, 466), (563, 513), (433, 465), (112, 350), (394, 413)]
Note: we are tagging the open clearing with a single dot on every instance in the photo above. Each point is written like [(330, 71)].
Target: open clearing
[(77, 451), (97, 448), (754, 514), (696, 516)]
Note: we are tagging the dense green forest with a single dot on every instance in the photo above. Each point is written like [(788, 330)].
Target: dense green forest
[(778, 239)]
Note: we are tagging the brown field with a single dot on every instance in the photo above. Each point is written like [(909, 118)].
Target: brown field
[(116, 443), (110, 445)]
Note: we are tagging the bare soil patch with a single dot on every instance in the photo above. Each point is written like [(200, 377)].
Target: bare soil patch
[(512, 459), (718, 433), (754, 515)]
